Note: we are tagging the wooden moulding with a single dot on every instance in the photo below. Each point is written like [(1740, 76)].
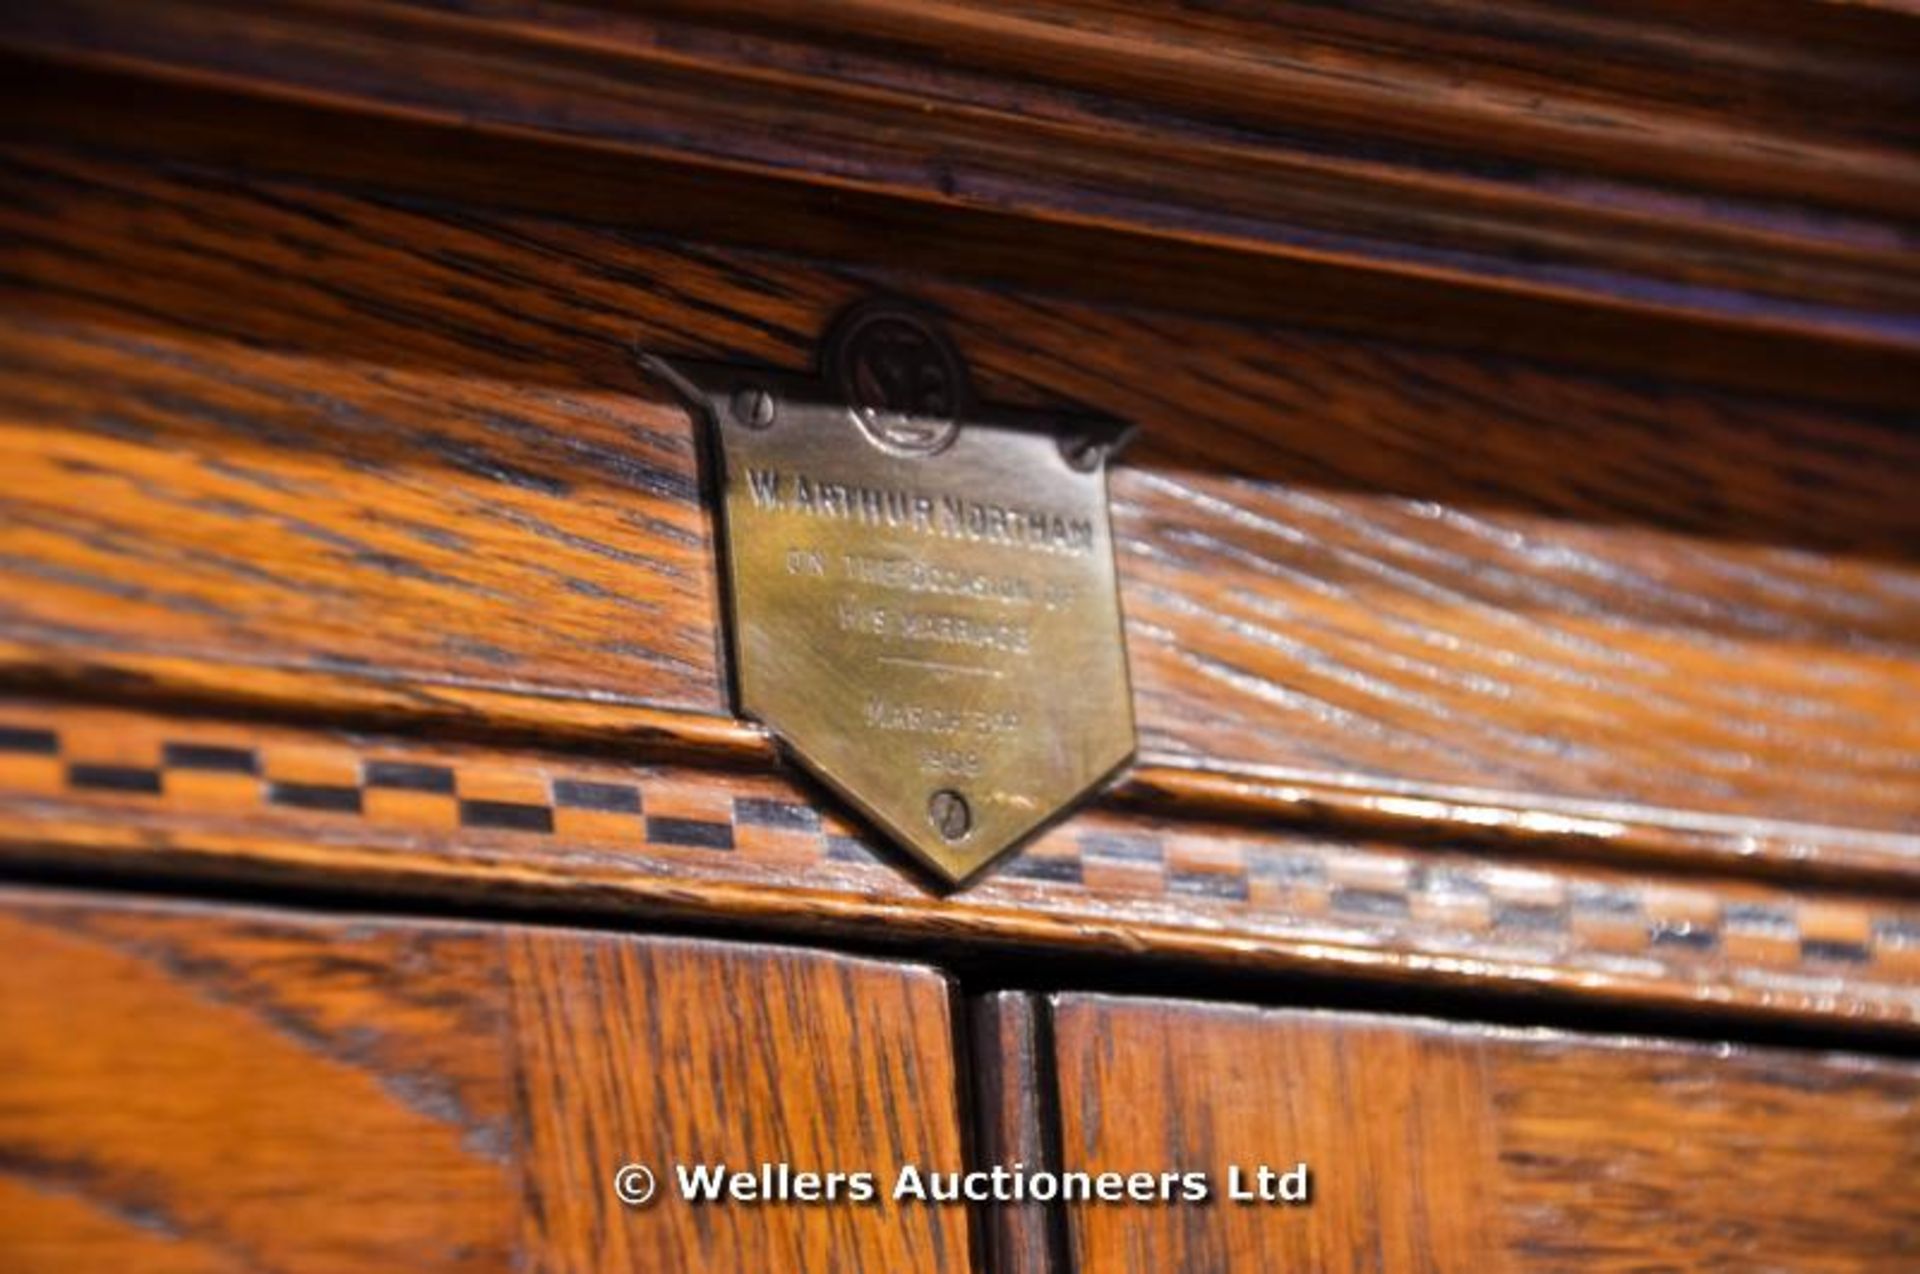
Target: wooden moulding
[(1721, 189), (387, 817), (1466, 819)]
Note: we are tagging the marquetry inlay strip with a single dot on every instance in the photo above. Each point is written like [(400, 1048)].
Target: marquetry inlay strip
[(639, 838)]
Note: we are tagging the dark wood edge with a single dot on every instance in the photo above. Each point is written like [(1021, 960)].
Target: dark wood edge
[(1016, 1122), (1749, 343)]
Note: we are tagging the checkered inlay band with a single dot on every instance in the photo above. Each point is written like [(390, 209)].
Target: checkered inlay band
[(1102, 867)]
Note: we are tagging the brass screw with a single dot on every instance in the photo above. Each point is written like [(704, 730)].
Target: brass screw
[(1082, 454), (754, 407), (950, 814)]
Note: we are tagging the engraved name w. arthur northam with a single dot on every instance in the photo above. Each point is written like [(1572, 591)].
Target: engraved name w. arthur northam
[(923, 512)]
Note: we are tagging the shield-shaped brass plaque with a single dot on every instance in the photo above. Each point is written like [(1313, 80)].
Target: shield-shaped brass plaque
[(922, 592)]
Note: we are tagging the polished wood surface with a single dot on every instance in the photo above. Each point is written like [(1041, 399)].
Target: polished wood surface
[(1722, 188), (191, 799), (1463, 1148), (312, 451), (1014, 1126), (190, 1088), (1519, 558)]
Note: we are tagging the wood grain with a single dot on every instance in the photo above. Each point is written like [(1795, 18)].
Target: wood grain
[(384, 817), (187, 1088), (258, 1094), (1013, 1118), (1723, 189), (1455, 1147), (320, 452)]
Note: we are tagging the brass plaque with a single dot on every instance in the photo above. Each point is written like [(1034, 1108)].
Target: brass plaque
[(922, 591)]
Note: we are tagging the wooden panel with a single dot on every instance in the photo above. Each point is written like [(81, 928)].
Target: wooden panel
[(193, 1089), (1434, 1147), (197, 798), (302, 448), (1724, 186), (256, 1093)]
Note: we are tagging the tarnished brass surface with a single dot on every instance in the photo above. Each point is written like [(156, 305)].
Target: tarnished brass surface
[(923, 599)]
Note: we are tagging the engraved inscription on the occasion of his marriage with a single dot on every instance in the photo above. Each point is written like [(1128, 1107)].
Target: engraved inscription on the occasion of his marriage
[(938, 616)]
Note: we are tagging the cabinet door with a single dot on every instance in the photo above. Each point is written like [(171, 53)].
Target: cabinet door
[(1462, 1148), (196, 1089)]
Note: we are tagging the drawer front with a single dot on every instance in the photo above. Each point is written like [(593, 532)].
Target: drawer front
[(1464, 1148), (186, 1088)]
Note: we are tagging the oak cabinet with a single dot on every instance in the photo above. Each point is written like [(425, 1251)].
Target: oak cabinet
[(1518, 556)]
